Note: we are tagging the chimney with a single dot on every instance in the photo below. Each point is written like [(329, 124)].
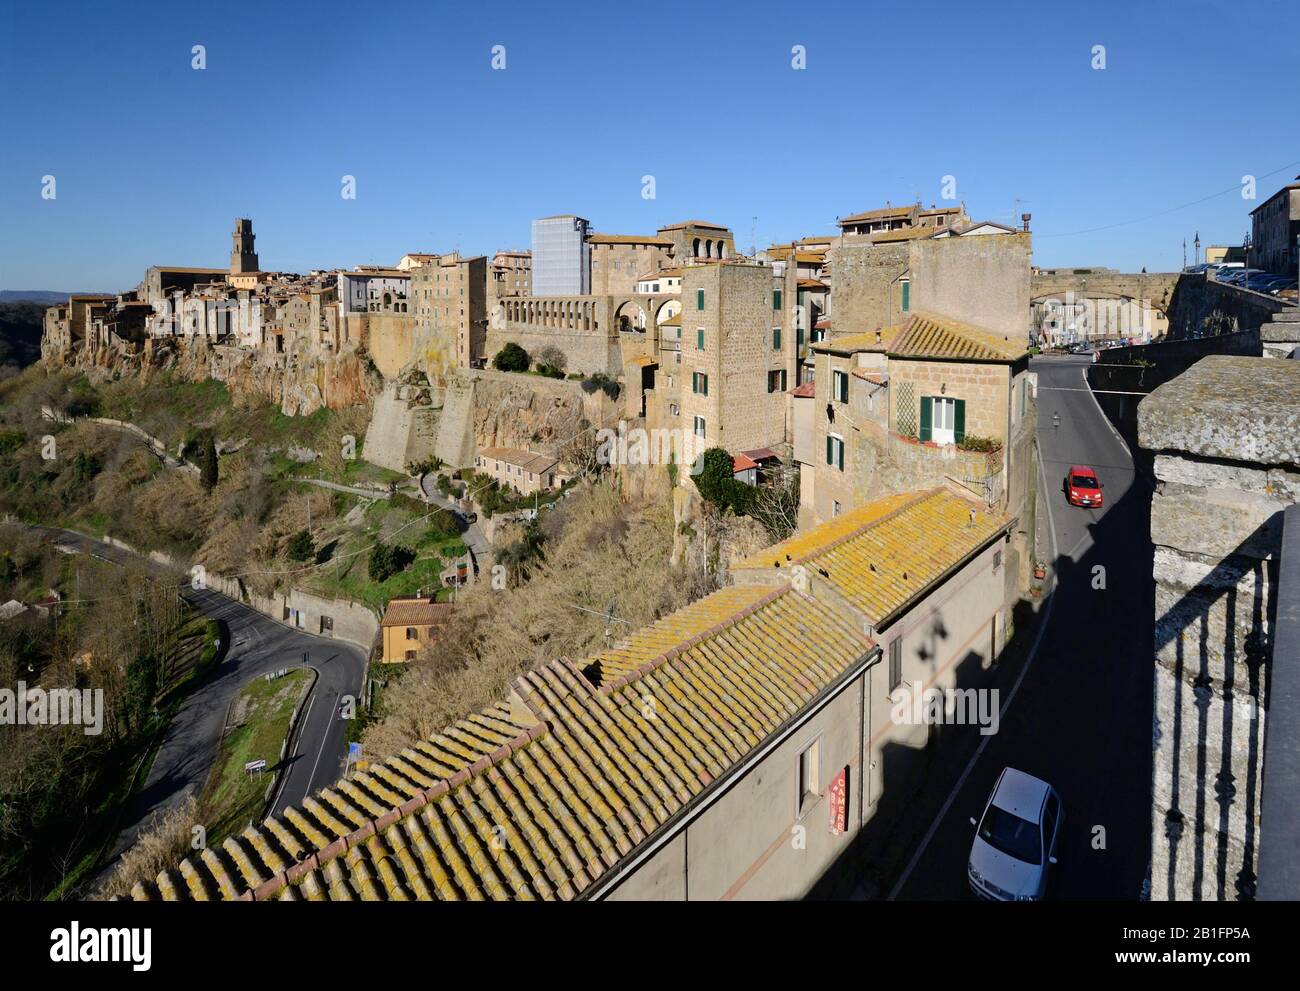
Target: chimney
[(1024, 222)]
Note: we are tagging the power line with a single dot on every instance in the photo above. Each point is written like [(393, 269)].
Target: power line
[(1172, 209)]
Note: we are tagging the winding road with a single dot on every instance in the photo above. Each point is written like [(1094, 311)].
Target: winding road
[(258, 644)]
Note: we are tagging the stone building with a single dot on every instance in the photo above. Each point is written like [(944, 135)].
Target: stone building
[(737, 357), (618, 260), (1275, 231), (981, 280), (524, 471), (692, 239), (243, 257), (450, 304), (511, 274), (897, 218), (908, 405)]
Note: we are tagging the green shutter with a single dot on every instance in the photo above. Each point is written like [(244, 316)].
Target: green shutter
[(927, 416), (959, 421), (799, 337), (704, 381), (783, 380), (699, 299), (699, 339), (907, 296), (840, 452), (776, 299), (776, 338), (830, 449)]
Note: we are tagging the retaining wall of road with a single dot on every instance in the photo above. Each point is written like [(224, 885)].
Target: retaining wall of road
[(341, 619)]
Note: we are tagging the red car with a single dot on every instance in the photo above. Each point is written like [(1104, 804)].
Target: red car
[(1082, 487)]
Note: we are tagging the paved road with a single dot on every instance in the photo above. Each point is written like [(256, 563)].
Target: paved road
[(1081, 717), (473, 536), (257, 644)]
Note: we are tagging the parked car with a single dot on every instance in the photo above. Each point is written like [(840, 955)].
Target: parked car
[(1083, 487), (1016, 840)]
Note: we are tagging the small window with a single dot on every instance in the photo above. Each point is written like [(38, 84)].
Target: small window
[(895, 662), (699, 426), (907, 295), (412, 633), (836, 508), (809, 787), (840, 386), (699, 339), (699, 383), (835, 451), (776, 380), (776, 338), (776, 299), (699, 299), (410, 655)]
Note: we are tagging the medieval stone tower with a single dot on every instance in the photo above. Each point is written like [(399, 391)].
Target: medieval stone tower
[(242, 256)]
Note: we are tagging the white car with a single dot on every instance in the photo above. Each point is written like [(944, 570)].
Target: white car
[(1016, 840)]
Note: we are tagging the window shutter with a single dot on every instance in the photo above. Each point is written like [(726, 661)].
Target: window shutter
[(699, 339), (704, 381), (776, 338), (699, 299), (927, 416), (907, 296), (959, 421), (839, 450), (830, 449), (776, 299), (783, 380)]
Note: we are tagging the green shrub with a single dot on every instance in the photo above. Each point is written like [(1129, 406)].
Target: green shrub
[(386, 561), (511, 358), (301, 546), (983, 445)]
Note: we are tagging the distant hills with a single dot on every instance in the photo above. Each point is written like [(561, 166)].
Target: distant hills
[(47, 296), (21, 323)]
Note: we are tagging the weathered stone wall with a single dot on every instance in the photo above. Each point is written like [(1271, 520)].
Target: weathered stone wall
[(1226, 466), (1204, 307), (487, 408), (402, 429)]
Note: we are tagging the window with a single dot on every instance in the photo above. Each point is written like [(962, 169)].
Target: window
[(410, 655), (699, 339), (776, 299), (699, 426), (699, 383), (699, 299), (776, 338), (412, 633), (895, 662), (776, 380), (943, 419), (835, 451), (997, 559), (836, 508), (798, 338), (674, 409), (907, 295), (809, 788), (840, 386)]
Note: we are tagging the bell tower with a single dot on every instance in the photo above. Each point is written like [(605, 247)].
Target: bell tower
[(242, 256)]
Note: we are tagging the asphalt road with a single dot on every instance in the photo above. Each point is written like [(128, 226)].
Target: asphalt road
[(258, 644), (1081, 715)]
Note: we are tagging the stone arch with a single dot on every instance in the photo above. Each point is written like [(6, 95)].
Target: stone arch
[(695, 248), (630, 317)]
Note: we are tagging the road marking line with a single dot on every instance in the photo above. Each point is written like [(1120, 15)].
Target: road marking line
[(970, 765), (324, 740)]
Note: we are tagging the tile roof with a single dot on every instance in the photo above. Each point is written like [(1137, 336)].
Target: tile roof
[(903, 234), (415, 612), (862, 341), (742, 462), (673, 321), (880, 214), (928, 336), (882, 555), (539, 796), (527, 460), (806, 391)]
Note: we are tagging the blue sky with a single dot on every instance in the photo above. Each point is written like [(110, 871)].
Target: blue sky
[(154, 160)]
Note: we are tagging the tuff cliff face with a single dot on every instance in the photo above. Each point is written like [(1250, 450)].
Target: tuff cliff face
[(300, 382)]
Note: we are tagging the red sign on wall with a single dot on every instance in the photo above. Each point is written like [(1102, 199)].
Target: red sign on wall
[(838, 793)]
